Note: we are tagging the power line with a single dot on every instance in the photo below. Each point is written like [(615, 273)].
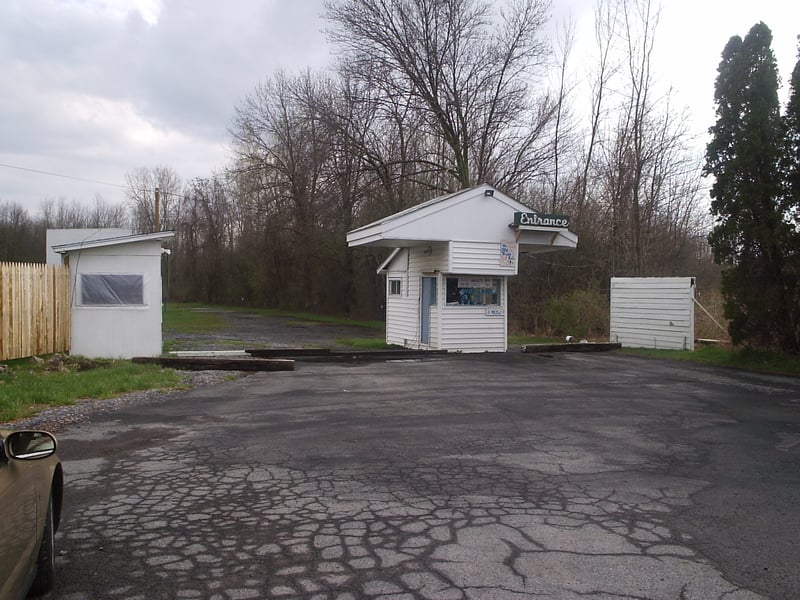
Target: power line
[(84, 179)]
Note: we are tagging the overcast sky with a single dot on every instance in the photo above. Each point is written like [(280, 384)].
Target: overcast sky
[(92, 89)]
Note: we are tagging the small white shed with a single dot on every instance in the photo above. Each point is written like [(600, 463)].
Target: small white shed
[(653, 312), (446, 280), (116, 295)]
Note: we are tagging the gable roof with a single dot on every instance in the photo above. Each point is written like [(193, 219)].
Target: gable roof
[(115, 241), (479, 213)]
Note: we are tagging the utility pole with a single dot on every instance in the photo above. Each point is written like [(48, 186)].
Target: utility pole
[(158, 211)]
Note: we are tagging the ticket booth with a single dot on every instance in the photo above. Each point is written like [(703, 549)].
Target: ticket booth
[(446, 279)]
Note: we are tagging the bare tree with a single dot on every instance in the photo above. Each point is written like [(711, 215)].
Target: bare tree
[(20, 238), (205, 243), (282, 148), (103, 214), (605, 26), (142, 185), (640, 170), (64, 214), (563, 126), (467, 67)]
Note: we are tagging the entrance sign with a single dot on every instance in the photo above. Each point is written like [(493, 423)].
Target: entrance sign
[(537, 219)]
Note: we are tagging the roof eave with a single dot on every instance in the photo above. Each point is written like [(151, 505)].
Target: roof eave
[(128, 239)]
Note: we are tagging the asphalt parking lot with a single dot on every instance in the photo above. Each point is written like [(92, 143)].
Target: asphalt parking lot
[(494, 476)]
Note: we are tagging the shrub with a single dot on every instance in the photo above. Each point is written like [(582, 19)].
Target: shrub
[(580, 313)]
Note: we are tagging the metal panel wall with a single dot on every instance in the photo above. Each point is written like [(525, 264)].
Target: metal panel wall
[(653, 312)]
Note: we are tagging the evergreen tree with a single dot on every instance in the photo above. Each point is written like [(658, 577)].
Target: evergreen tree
[(790, 173), (791, 159), (752, 229)]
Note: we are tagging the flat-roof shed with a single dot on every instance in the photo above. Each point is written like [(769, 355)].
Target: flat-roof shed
[(446, 280), (116, 295)]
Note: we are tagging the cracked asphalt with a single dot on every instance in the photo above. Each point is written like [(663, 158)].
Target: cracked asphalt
[(467, 477)]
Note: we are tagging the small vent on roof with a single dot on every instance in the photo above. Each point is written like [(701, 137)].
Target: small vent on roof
[(488, 192)]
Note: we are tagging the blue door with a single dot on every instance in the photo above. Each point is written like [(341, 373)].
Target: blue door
[(428, 300)]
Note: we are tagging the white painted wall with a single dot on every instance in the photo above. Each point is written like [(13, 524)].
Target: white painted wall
[(118, 331), (653, 312)]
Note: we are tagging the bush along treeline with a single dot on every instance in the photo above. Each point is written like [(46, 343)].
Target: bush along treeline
[(427, 97)]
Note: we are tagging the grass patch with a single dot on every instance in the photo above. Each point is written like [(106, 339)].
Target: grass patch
[(310, 317), (28, 386), (737, 358), (177, 345), (192, 318)]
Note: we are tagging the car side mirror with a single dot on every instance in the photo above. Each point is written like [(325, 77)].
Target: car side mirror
[(29, 445)]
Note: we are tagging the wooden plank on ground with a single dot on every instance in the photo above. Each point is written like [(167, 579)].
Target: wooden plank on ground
[(345, 355), (197, 363), (283, 352)]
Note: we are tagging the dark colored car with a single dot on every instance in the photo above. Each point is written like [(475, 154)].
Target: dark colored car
[(31, 483)]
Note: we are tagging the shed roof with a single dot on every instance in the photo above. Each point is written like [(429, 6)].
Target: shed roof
[(115, 241)]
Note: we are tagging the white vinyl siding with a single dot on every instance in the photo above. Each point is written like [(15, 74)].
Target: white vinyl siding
[(469, 329), (472, 328), (434, 329), (403, 317), (402, 310), (457, 328), (653, 312), (482, 258), (403, 326), (427, 259)]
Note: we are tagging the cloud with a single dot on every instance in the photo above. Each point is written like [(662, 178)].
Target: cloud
[(94, 88), (134, 83)]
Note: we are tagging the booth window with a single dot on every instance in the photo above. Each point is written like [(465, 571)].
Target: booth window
[(473, 291), (112, 290), (394, 287)]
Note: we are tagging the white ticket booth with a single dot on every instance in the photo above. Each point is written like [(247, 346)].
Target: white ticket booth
[(446, 279)]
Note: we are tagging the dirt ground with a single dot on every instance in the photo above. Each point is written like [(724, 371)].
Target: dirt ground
[(246, 330)]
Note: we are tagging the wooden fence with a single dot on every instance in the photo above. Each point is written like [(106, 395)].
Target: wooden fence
[(34, 310)]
